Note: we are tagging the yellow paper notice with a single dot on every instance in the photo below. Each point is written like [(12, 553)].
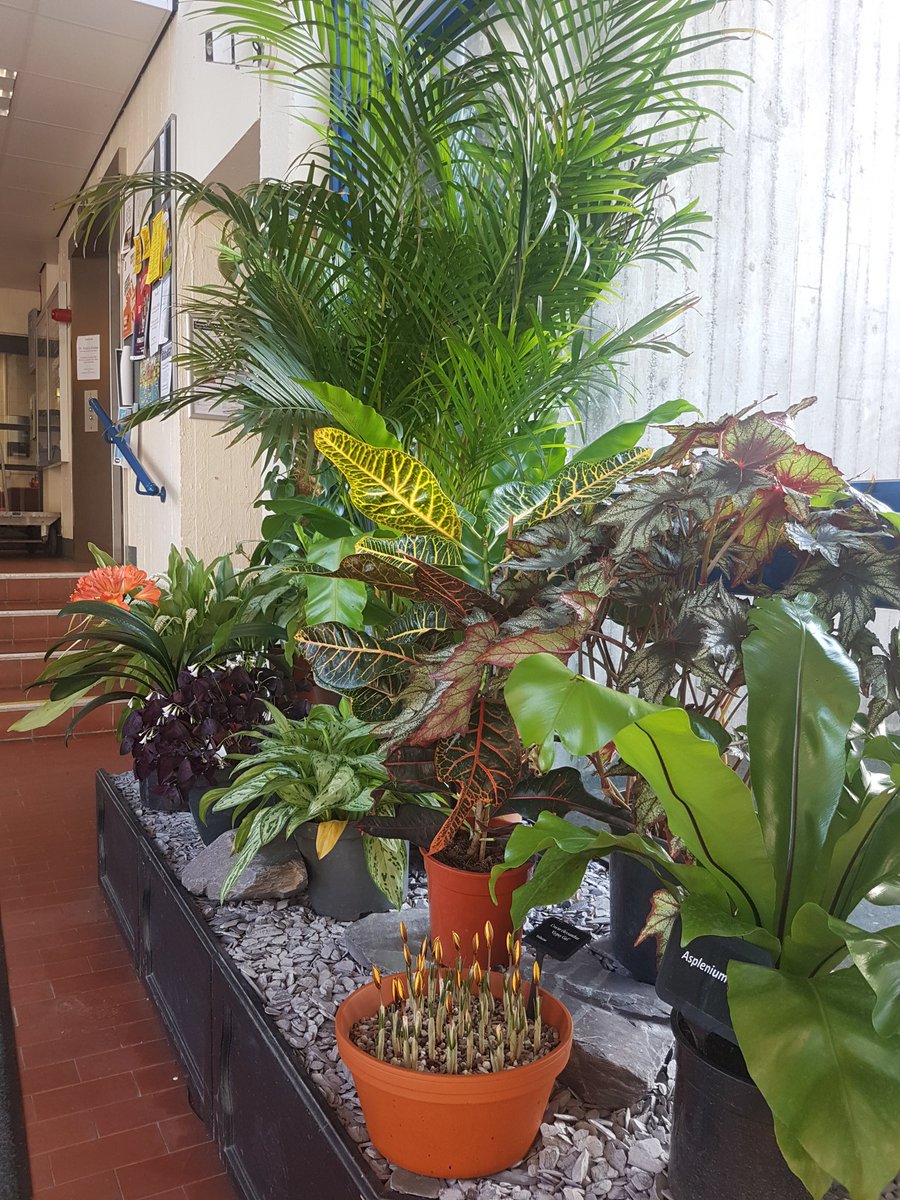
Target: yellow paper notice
[(138, 255), (157, 247), (145, 242)]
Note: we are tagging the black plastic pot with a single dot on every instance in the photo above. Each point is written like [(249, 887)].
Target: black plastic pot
[(339, 884), (723, 1139), (631, 888), (151, 800), (216, 823)]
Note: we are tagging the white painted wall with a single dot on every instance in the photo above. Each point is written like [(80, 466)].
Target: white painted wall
[(799, 288), (210, 487), (15, 306)]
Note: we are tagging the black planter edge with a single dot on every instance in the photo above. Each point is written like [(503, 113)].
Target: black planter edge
[(360, 1181), (12, 1115)]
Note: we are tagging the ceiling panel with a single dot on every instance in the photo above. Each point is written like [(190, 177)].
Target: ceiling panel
[(77, 60), (75, 53), (73, 105), (51, 143), (16, 27)]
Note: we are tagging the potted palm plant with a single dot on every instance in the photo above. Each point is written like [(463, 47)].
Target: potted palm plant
[(313, 779), (779, 869), (453, 1067)]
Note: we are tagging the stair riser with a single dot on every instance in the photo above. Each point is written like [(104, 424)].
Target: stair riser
[(32, 627), (44, 591), (101, 720), (17, 672)]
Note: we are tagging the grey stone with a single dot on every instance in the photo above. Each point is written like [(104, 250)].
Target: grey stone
[(276, 872), (415, 1185), (584, 976), (615, 1058), (647, 1155), (375, 940), (578, 1173)]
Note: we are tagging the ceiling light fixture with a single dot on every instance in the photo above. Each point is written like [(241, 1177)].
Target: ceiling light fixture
[(7, 87)]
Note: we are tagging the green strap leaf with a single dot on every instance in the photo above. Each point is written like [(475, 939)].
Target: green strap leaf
[(803, 696), (707, 805)]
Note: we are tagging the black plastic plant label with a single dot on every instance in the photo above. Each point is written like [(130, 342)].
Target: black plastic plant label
[(694, 978), (557, 938)]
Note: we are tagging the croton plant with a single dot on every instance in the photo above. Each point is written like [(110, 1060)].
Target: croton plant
[(642, 564)]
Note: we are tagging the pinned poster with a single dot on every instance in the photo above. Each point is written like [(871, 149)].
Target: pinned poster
[(153, 329), (157, 247), (165, 371), (87, 356), (127, 219), (129, 294), (148, 381), (145, 242)]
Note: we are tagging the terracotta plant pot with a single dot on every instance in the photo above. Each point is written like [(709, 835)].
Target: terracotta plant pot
[(451, 1126), (460, 902)]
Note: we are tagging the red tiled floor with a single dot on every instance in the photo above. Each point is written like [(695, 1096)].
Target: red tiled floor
[(105, 1099)]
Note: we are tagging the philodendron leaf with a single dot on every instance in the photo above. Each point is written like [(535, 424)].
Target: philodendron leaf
[(546, 698), (877, 955), (359, 419), (815, 1055), (344, 659), (386, 860), (328, 597), (627, 435), (390, 487)]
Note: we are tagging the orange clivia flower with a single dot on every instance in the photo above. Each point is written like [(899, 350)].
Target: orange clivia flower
[(116, 585)]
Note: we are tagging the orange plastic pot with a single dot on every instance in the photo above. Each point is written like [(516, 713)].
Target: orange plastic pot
[(460, 902), (451, 1126)]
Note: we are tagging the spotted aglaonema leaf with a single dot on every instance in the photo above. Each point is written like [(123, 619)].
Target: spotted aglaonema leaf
[(482, 765)]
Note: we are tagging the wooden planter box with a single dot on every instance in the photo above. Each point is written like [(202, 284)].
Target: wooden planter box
[(277, 1136)]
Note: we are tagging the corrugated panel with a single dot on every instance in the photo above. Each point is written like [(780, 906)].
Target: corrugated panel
[(798, 286)]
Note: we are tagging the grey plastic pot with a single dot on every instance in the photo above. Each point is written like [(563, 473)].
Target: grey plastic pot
[(340, 885)]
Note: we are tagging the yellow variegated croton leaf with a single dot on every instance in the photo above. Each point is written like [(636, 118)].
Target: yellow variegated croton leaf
[(439, 551), (588, 483), (390, 487)]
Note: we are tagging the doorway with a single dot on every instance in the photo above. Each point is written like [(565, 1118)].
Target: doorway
[(92, 466)]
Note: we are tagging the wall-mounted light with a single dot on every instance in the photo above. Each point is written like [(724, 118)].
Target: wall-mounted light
[(7, 87)]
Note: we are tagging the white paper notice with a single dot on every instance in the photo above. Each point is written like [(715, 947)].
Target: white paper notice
[(153, 338), (165, 371), (127, 222), (165, 307), (87, 356)]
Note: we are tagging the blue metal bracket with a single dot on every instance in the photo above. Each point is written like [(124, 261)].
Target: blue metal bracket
[(143, 484)]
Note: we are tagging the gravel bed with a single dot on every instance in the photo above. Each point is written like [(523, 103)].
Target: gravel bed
[(297, 963)]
